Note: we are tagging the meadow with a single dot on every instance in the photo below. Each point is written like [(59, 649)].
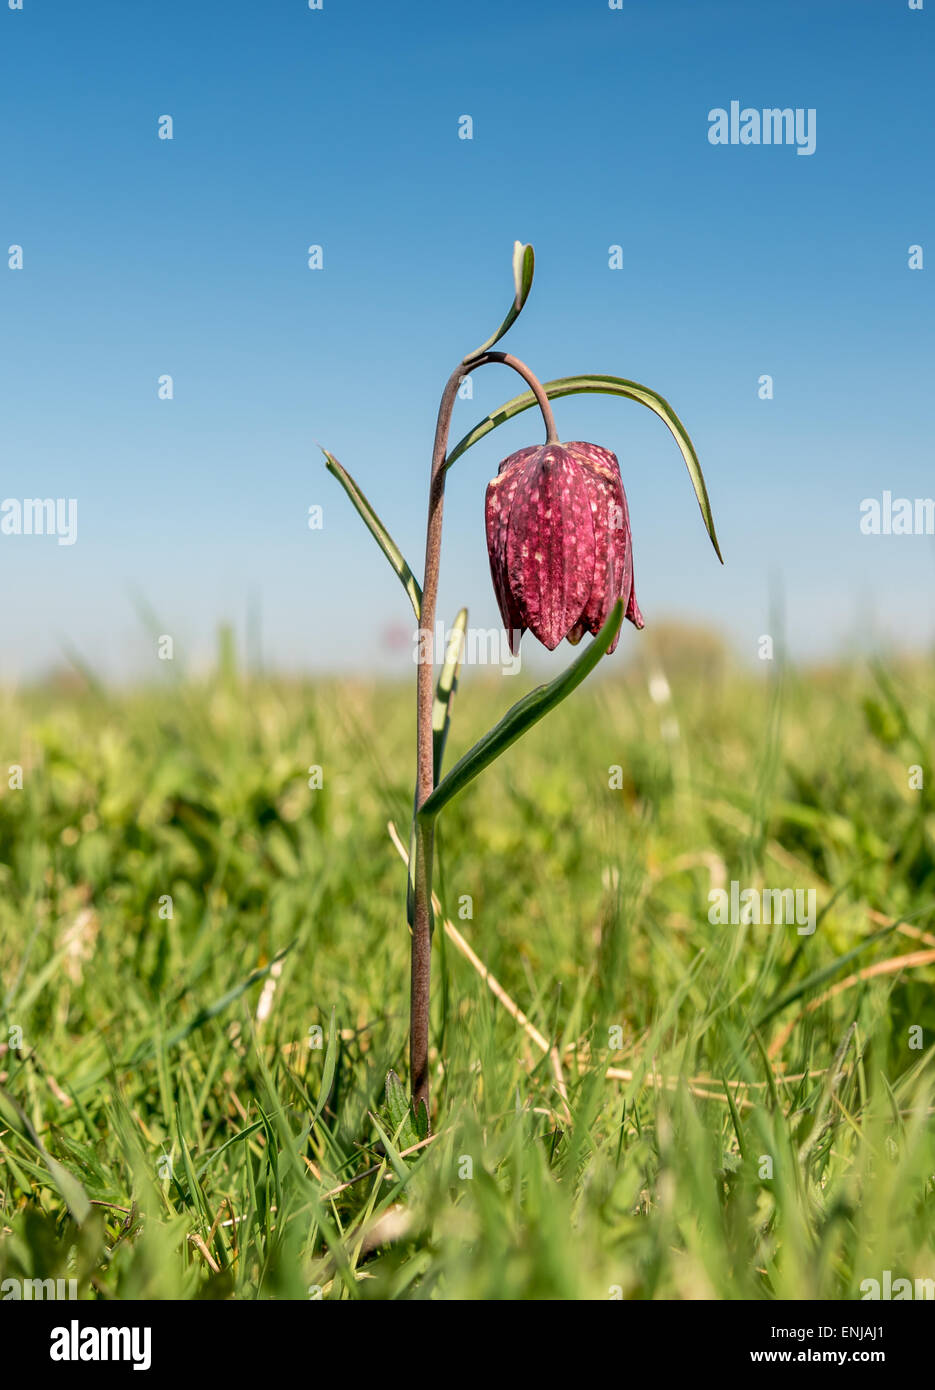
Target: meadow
[(204, 977)]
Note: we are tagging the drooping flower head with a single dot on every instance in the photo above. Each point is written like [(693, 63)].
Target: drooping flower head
[(558, 537)]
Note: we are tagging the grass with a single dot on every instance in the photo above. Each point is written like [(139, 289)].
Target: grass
[(204, 968)]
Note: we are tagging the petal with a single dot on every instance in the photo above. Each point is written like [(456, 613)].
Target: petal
[(519, 458), (499, 500), (633, 611), (596, 456), (613, 558), (500, 492), (550, 544)]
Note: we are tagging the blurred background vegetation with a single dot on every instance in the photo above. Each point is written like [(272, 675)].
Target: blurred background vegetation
[(204, 976)]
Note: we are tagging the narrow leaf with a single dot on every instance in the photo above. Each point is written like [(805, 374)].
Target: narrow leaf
[(392, 1152), (204, 1015), (521, 717), (441, 723), (379, 532), (523, 265), (822, 975), (71, 1190), (735, 1118), (605, 386), (328, 1069), (240, 1137), (445, 690)]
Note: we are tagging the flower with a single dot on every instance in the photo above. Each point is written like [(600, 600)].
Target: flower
[(558, 537)]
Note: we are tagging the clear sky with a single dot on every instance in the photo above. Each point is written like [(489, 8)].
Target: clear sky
[(340, 127)]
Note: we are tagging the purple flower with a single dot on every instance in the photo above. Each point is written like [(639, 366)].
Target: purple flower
[(558, 537)]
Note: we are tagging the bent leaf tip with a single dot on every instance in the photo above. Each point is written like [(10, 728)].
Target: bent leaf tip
[(524, 261)]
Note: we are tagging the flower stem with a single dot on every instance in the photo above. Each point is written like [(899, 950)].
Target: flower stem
[(506, 359), (424, 838)]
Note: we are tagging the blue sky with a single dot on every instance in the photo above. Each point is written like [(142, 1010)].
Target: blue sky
[(339, 127)]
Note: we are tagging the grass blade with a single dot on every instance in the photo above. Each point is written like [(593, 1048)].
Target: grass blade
[(819, 977), (71, 1190), (328, 1069), (204, 1015)]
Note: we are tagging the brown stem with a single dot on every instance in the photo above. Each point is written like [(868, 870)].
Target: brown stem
[(506, 359), (424, 839)]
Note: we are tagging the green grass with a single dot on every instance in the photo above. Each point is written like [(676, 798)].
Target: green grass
[(159, 1139)]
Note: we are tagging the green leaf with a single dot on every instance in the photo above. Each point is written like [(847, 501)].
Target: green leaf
[(328, 1069), (397, 1102), (396, 1161), (240, 1137), (411, 878), (604, 386), (822, 975), (735, 1118), (71, 1190), (521, 717), (195, 1192), (379, 532), (441, 722), (204, 1015), (881, 722), (404, 1125), (524, 260), (445, 690), (421, 1120)]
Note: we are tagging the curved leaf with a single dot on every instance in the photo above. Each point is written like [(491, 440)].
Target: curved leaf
[(379, 532), (524, 260), (597, 384), (445, 690), (521, 717), (441, 722)]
